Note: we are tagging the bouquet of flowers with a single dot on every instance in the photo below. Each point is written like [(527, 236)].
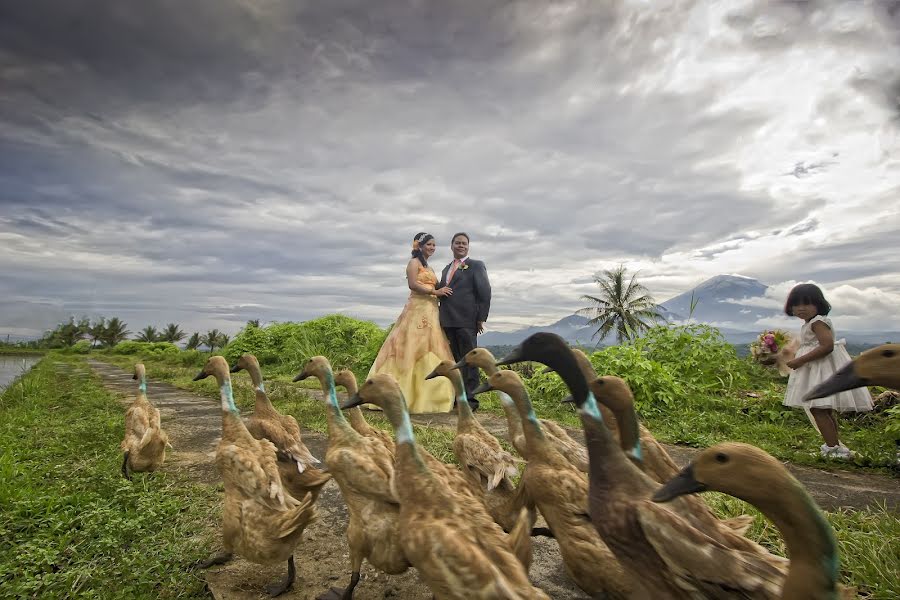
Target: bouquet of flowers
[(774, 348)]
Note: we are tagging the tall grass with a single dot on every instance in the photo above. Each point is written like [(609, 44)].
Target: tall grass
[(70, 525)]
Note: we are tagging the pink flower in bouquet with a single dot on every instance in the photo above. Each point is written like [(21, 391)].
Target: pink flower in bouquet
[(769, 341)]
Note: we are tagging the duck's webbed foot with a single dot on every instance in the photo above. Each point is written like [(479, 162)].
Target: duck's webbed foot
[(277, 589), (338, 593), (219, 558)]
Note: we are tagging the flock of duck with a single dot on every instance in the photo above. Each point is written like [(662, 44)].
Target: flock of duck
[(627, 521)]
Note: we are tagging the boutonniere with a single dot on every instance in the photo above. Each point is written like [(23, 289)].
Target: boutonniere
[(463, 267)]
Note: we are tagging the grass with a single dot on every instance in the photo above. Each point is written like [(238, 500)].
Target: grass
[(17, 351), (70, 525)]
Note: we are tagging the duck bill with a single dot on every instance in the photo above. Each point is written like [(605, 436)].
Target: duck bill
[(681, 484), (300, 377), (568, 400), (460, 364), (200, 375), (484, 387), (235, 368), (842, 380), (513, 357), (353, 401), (432, 375)]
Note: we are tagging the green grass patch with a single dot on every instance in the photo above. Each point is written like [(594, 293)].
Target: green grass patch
[(70, 525), (867, 543)]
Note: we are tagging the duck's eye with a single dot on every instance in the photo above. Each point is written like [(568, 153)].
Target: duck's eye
[(600, 382), (721, 457), (888, 354)]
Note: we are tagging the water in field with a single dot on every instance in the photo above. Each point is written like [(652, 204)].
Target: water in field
[(13, 366)]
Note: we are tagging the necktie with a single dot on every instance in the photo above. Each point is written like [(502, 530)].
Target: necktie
[(452, 270)]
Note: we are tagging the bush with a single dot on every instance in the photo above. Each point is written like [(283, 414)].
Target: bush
[(82, 347), (669, 364), (149, 349), (705, 362), (345, 341)]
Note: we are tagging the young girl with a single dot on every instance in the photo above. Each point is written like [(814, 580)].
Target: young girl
[(818, 357)]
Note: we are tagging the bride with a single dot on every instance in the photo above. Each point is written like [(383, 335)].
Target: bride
[(416, 344)]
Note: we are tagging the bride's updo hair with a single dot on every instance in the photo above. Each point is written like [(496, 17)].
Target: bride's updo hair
[(419, 241)]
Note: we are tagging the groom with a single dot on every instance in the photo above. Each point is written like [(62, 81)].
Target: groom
[(464, 312)]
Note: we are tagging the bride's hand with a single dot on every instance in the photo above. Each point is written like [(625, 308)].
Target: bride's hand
[(444, 291)]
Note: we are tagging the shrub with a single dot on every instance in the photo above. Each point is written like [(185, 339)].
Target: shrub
[(149, 349), (668, 364), (345, 341), (82, 347), (704, 361)]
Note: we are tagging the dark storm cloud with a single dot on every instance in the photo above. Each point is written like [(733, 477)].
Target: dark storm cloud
[(234, 160)]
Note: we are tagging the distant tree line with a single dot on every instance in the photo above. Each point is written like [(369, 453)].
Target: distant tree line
[(103, 333)]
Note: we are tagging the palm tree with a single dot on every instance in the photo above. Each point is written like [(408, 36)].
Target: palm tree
[(96, 331), (223, 340), (116, 331), (147, 334), (211, 339), (172, 333), (623, 304), (70, 332), (193, 342)]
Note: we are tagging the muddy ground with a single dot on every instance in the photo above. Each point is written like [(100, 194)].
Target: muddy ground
[(322, 560)]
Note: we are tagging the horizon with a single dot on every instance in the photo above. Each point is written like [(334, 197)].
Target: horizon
[(278, 168)]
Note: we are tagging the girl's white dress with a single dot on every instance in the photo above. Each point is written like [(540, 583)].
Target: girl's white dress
[(813, 373)]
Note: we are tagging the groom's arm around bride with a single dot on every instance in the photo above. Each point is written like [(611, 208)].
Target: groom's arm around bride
[(464, 312)]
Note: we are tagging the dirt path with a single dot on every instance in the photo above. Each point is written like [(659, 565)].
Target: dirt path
[(194, 427)]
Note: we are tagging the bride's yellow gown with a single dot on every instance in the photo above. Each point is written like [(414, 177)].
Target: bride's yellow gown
[(413, 349)]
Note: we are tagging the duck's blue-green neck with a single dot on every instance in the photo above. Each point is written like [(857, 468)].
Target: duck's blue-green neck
[(261, 387), (404, 432), (589, 407), (142, 386), (636, 452), (332, 395), (227, 395), (459, 388)]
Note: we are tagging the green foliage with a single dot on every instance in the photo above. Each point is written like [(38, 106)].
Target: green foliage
[(705, 362), (82, 347), (70, 525), (148, 334), (172, 333), (148, 349), (668, 364), (347, 342), (193, 342)]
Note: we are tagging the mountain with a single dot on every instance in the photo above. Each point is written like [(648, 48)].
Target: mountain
[(718, 301), (573, 328), (722, 301)]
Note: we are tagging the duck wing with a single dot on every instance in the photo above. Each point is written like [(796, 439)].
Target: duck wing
[(488, 460), (698, 562)]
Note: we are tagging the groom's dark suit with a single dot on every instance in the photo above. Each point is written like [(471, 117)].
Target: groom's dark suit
[(461, 313)]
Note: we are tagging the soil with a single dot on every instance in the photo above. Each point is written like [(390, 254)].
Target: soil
[(322, 559)]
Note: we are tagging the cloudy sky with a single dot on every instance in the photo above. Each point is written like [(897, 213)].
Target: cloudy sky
[(273, 159)]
